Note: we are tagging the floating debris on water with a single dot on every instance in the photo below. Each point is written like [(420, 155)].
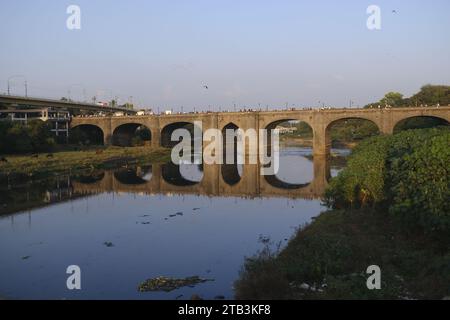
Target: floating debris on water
[(108, 244), (26, 257), (169, 284)]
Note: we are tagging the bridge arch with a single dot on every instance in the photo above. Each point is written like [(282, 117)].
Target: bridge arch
[(302, 129), (421, 121), (87, 134), (273, 124), (132, 133), (168, 129), (356, 129)]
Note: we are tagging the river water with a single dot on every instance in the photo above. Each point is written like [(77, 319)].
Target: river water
[(134, 224)]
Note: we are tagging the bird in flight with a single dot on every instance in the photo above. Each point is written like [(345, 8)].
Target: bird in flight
[(205, 86), (394, 11)]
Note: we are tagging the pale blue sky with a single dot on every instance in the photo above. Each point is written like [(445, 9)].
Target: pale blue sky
[(247, 52)]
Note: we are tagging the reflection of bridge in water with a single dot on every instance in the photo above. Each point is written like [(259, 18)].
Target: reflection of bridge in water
[(168, 179)]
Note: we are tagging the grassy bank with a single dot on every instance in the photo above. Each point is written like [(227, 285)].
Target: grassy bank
[(328, 260), (45, 164)]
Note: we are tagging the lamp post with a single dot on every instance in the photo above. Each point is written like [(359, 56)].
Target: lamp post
[(25, 84), (76, 85)]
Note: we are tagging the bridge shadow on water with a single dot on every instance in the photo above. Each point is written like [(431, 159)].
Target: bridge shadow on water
[(243, 181)]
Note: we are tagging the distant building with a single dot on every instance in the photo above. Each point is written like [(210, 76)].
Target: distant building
[(284, 130), (58, 118)]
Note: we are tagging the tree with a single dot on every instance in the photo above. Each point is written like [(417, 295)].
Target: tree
[(428, 94), (394, 99), (432, 94)]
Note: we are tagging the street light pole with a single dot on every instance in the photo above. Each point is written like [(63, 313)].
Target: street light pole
[(17, 76)]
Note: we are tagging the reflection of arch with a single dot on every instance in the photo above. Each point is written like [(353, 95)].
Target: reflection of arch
[(417, 122), (133, 176), (274, 181), (230, 171), (87, 134), (295, 171), (171, 173), (123, 134), (166, 133), (90, 179)]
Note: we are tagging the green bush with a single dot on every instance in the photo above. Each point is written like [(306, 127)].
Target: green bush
[(420, 184), (20, 138), (407, 174)]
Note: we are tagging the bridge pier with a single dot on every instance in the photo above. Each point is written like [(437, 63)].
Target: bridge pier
[(321, 141), (156, 137)]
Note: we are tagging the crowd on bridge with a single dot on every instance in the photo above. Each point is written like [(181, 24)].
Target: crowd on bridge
[(241, 110)]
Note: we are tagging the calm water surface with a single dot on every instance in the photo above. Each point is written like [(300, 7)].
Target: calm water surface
[(160, 224)]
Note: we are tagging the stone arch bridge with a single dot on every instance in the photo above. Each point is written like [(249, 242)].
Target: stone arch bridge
[(320, 121)]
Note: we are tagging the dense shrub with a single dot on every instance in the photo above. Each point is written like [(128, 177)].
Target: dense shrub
[(20, 138), (420, 184), (408, 174)]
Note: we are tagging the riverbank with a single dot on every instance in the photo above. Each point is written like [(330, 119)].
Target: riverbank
[(328, 259), (390, 209), (64, 162)]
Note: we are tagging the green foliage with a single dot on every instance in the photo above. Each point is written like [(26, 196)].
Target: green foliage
[(352, 130), (362, 182), (428, 95), (20, 138), (419, 123), (394, 99), (420, 184), (432, 94), (408, 174)]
